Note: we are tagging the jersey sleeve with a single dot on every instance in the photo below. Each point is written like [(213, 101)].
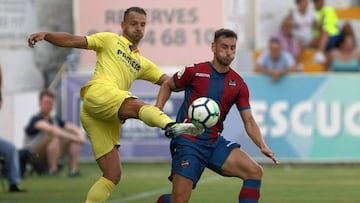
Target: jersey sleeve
[(30, 129), (184, 76), (150, 71), (98, 40), (243, 102)]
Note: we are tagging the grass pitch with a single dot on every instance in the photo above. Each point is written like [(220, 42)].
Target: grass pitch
[(144, 182)]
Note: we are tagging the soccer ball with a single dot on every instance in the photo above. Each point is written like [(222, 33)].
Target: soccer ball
[(204, 112)]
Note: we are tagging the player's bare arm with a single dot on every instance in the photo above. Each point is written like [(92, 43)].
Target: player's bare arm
[(162, 79), (254, 133), (164, 93), (61, 39)]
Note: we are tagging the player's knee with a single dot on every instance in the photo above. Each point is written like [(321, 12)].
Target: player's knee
[(256, 172), (130, 108), (113, 176)]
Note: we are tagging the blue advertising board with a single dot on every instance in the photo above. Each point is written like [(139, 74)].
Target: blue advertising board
[(302, 118)]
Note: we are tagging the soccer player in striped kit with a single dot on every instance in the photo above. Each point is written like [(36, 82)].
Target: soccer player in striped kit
[(190, 155)]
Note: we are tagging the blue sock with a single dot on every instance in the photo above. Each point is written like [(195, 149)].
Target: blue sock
[(166, 198), (250, 192)]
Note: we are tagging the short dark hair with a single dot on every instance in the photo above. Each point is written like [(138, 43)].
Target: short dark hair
[(134, 9), (224, 32), (274, 40), (48, 93)]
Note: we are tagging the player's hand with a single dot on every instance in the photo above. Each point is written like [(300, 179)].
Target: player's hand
[(267, 152), (34, 38)]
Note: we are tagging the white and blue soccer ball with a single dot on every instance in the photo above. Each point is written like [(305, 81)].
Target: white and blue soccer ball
[(204, 112)]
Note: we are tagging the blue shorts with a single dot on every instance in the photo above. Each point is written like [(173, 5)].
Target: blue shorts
[(190, 158)]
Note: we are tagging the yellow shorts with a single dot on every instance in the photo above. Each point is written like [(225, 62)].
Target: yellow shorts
[(99, 116)]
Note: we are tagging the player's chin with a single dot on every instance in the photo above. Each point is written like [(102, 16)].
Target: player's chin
[(138, 37), (225, 62)]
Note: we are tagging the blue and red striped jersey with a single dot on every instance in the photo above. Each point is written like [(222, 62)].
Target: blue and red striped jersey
[(202, 80)]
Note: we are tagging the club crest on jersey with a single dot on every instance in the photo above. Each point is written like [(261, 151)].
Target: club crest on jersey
[(185, 163), (232, 83)]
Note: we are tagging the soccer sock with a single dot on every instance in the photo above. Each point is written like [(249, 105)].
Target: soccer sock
[(166, 198), (153, 116), (250, 192), (100, 191)]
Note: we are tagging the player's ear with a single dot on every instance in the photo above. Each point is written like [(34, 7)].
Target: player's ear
[(213, 45)]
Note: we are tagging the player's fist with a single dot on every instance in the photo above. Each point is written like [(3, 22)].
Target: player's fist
[(34, 38)]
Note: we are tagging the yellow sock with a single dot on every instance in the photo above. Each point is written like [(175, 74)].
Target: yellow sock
[(100, 191), (153, 116)]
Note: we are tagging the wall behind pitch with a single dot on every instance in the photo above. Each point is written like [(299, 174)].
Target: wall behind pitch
[(311, 118)]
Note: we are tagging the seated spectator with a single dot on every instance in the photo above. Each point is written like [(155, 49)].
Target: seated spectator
[(288, 40), (345, 58), (48, 139), (275, 61), (10, 159), (304, 19), (11, 169), (327, 31)]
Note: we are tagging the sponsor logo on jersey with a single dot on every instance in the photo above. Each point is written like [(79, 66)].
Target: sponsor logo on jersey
[(204, 75), (129, 60)]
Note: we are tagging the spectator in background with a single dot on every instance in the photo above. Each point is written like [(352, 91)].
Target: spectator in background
[(345, 58), (11, 168), (49, 138), (10, 159), (287, 39), (327, 31), (275, 62), (304, 19)]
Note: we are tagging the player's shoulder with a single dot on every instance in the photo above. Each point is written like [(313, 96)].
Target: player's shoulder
[(235, 74), (104, 35)]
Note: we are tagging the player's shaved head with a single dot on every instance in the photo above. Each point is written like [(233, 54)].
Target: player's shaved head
[(224, 33), (133, 9)]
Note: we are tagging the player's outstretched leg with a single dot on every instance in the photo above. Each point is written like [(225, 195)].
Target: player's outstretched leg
[(175, 129), (165, 198), (250, 192), (154, 117)]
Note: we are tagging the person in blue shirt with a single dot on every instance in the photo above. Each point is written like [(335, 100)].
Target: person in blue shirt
[(10, 159), (275, 61)]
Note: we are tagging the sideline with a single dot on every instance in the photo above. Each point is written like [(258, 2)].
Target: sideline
[(160, 191)]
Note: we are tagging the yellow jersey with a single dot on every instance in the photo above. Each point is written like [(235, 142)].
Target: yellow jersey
[(327, 15), (117, 63)]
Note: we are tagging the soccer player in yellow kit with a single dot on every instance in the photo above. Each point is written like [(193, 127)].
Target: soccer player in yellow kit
[(107, 103)]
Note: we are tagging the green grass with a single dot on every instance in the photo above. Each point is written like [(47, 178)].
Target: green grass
[(144, 182)]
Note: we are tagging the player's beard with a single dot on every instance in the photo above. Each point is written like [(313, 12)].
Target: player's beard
[(136, 37), (224, 61)]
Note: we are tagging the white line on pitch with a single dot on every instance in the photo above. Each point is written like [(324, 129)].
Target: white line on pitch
[(159, 191)]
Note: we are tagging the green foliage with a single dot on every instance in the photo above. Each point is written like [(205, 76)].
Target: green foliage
[(144, 182)]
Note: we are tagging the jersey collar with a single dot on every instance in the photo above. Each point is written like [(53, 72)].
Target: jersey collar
[(128, 43)]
